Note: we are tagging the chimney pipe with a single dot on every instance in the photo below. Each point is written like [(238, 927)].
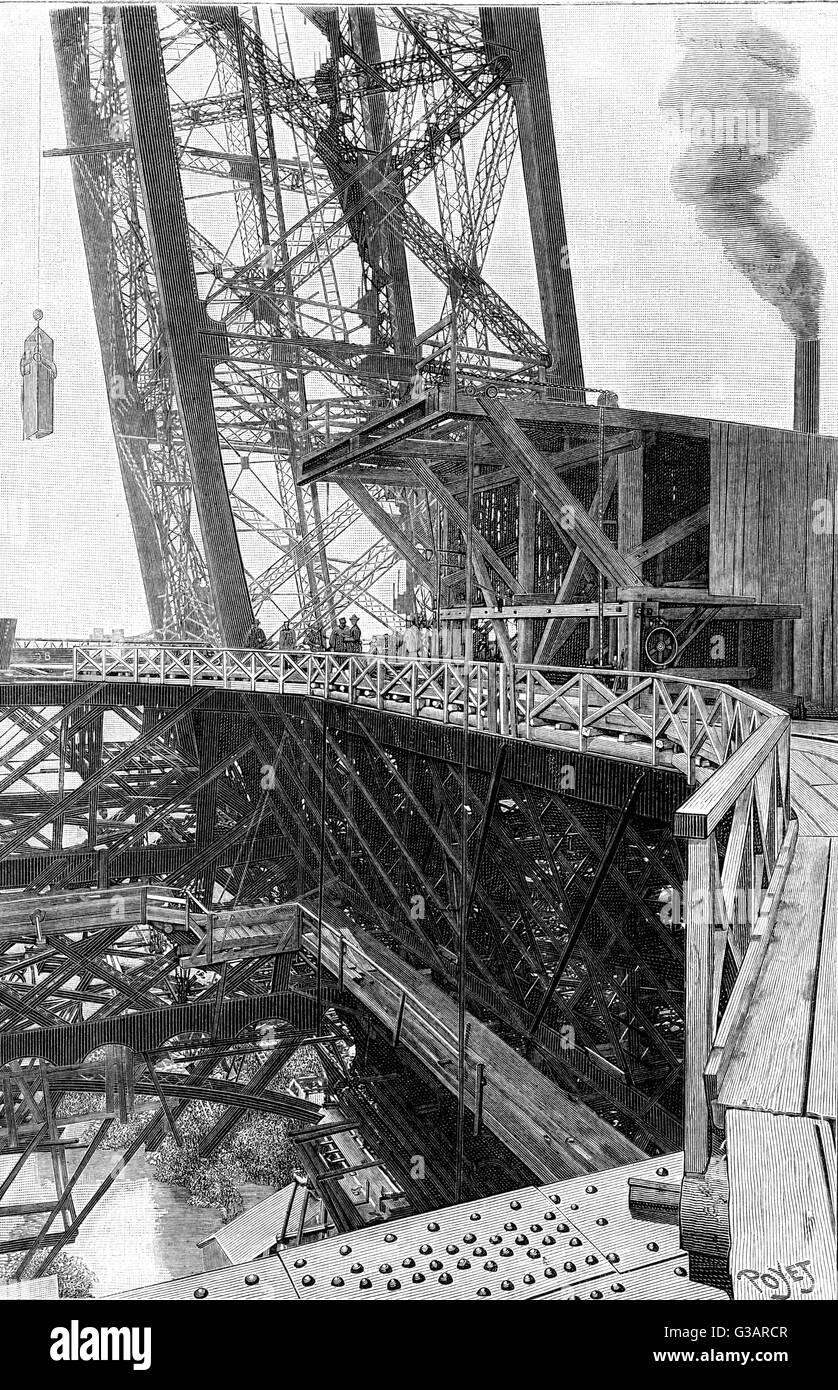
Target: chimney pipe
[(807, 372)]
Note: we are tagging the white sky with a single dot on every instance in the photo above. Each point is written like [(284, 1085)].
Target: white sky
[(664, 320)]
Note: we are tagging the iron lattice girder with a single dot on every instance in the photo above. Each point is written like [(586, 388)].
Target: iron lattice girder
[(371, 833), (254, 87), (391, 833)]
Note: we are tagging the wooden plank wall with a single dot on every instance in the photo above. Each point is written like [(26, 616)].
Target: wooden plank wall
[(768, 488)]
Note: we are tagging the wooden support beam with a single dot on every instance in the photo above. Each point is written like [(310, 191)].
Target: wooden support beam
[(391, 530), (538, 610), (555, 496), (678, 531), (533, 1117)]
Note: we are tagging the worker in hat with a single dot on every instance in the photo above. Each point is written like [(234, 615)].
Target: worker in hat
[(353, 639)]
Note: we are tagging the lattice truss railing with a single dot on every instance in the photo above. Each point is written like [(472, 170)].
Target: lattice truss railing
[(305, 155)]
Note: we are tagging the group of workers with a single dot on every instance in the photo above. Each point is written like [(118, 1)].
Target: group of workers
[(417, 639), (345, 637)]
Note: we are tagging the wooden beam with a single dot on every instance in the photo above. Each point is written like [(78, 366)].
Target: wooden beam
[(482, 550), (550, 1133), (539, 610), (554, 495), (678, 531), (391, 530)]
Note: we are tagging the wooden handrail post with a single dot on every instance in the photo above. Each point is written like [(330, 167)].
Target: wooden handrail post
[(698, 907)]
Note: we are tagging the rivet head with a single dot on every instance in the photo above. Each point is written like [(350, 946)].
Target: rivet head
[(507, 1285), (679, 1269), (613, 1258), (491, 1266), (308, 1280), (418, 1278), (521, 1239), (426, 1250), (570, 1267), (563, 1228), (510, 1226), (602, 1221), (365, 1284), (452, 1249), (433, 1225), (597, 1293), (574, 1241), (515, 1206), (478, 1252), (549, 1216), (556, 1197), (591, 1260), (618, 1288), (475, 1216), (590, 1189), (385, 1269), (536, 1227), (662, 1172), (507, 1250), (356, 1268), (251, 1279), (495, 1240), (300, 1264), (574, 1206), (469, 1238), (445, 1278), (533, 1254), (408, 1263), (549, 1272), (389, 1238), (549, 1240), (346, 1249), (201, 1293), (393, 1284), (337, 1282), (653, 1245), (484, 1292), (435, 1265), (464, 1264), (529, 1278)]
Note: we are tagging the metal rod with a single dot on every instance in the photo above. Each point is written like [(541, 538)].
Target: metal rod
[(464, 893), (600, 514), (321, 868), (590, 901)]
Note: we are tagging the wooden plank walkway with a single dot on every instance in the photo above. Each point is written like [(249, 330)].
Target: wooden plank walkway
[(782, 1210), (787, 1038), (777, 1083), (555, 1136)]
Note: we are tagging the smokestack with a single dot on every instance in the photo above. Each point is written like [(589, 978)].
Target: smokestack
[(807, 372)]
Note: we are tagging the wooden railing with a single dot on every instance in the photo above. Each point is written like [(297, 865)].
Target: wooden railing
[(740, 838), (666, 720)]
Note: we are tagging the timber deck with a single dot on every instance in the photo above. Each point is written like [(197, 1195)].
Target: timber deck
[(773, 1070)]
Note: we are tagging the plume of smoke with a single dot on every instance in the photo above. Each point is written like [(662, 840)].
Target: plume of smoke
[(733, 97)]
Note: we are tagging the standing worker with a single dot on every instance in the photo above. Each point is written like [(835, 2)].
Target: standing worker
[(256, 639), (286, 639), (339, 636), (353, 641)]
